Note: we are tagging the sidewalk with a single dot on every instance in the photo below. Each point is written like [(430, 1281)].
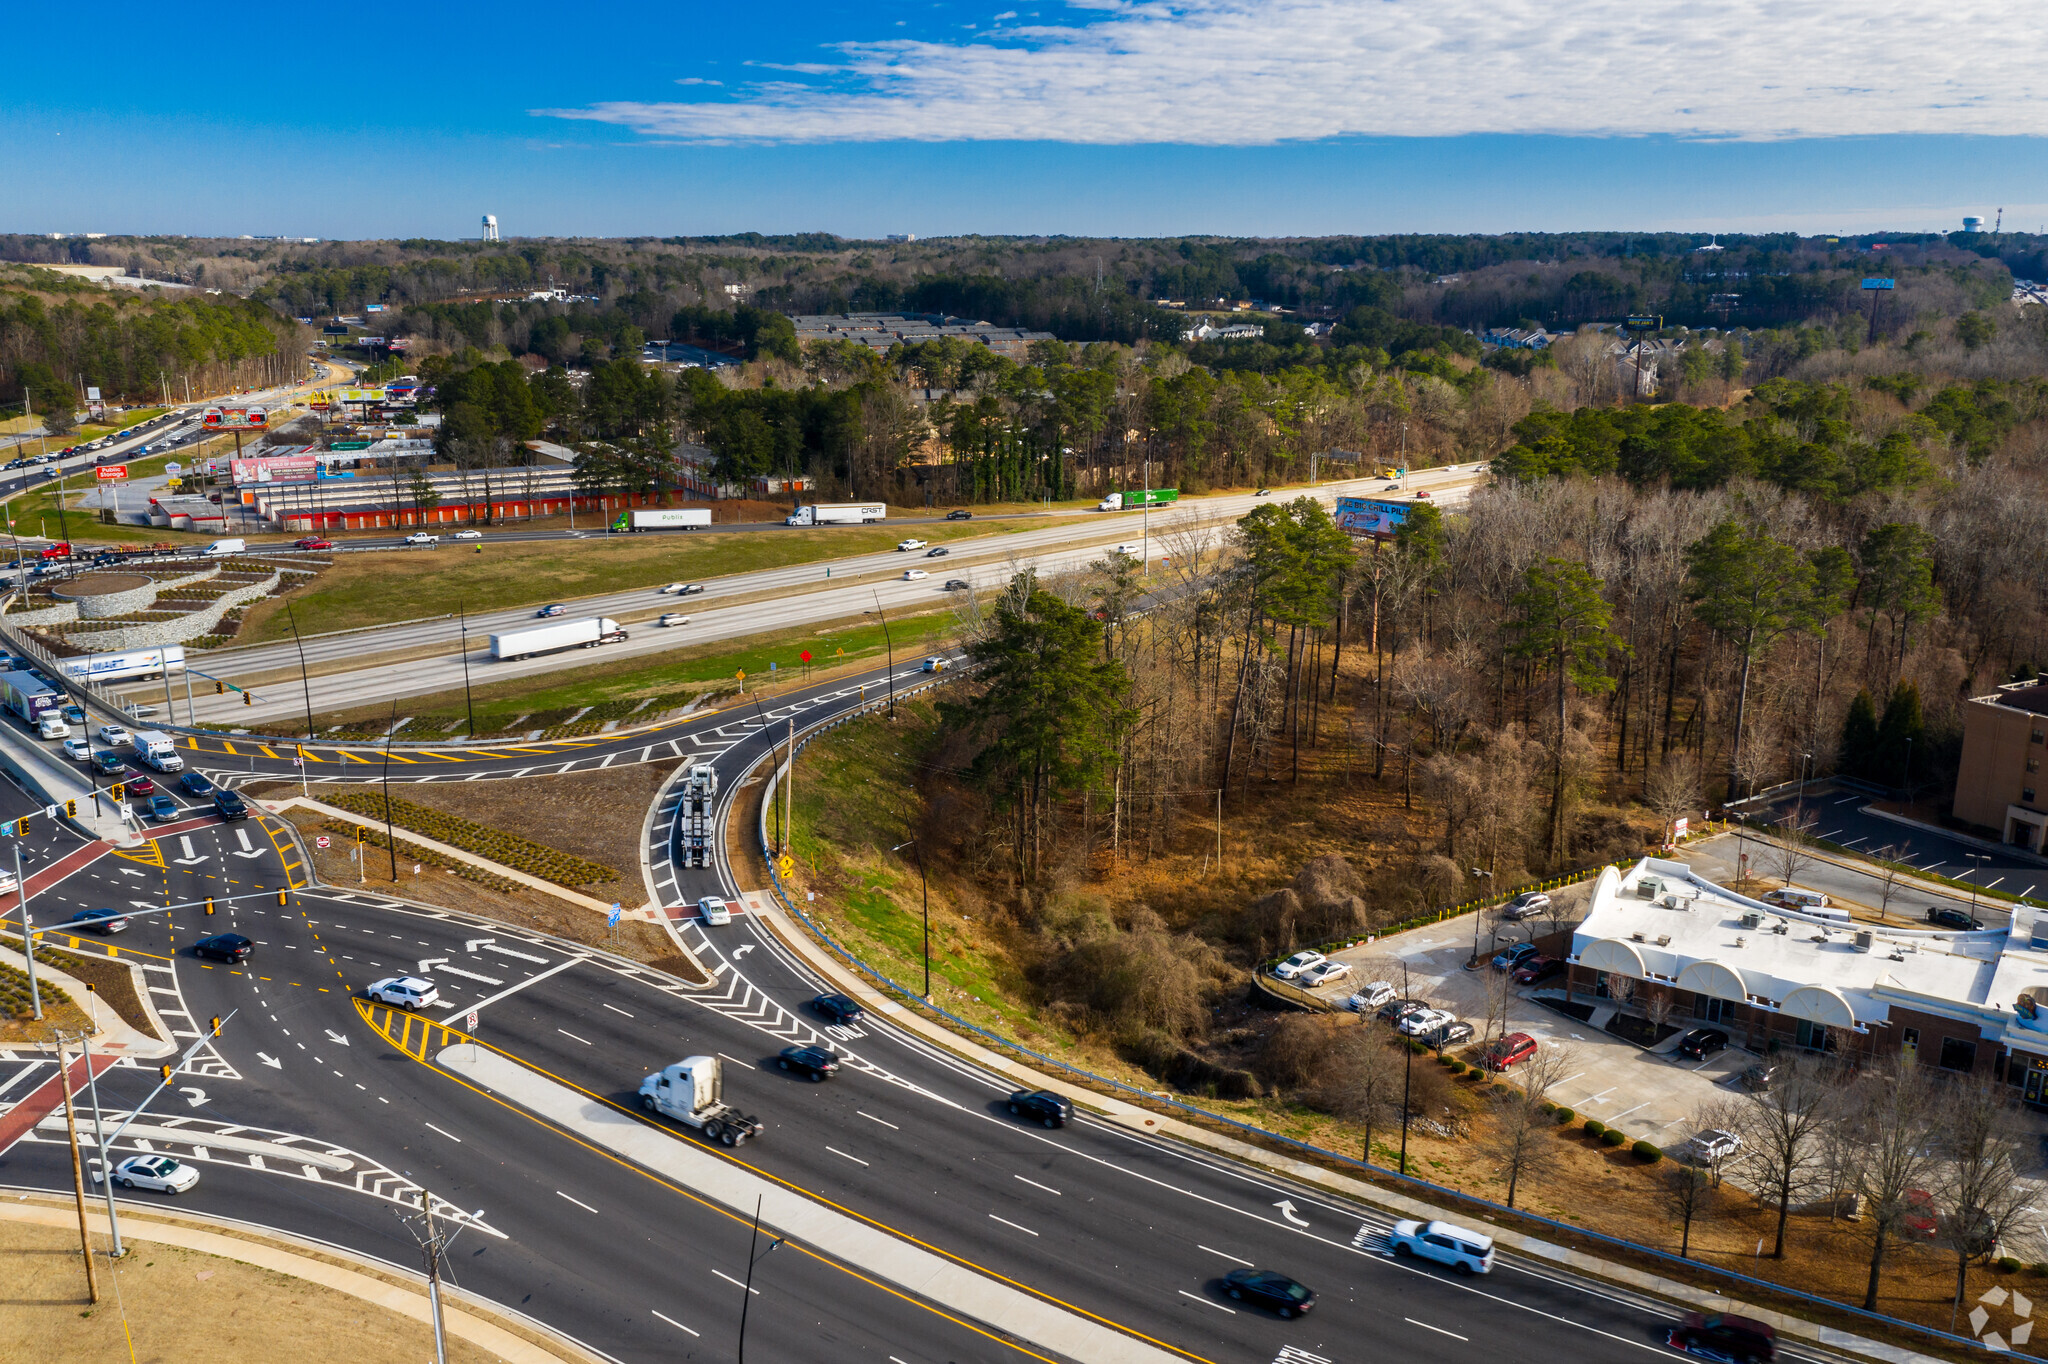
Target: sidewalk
[(116, 1035), (48, 1097), (54, 780), (1396, 1204)]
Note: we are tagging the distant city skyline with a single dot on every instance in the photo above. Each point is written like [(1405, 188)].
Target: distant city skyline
[(1294, 118)]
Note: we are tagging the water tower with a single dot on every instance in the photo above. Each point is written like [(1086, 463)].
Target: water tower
[(490, 227), (1973, 224)]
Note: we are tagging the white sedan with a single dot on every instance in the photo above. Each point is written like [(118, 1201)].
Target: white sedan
[(673, 618), (1326, 973), (1423, 1022), (160, 1173), (1299, 962), (420, 537), (469, 535), (683, 589), (905, 546), (113, 734), (911, 575)]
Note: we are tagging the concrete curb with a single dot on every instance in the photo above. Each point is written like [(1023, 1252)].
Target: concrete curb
[(468, 1316), (115, 1033)]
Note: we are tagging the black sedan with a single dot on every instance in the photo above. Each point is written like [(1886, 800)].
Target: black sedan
[(956, 584), (1042, 1105), (1947, 916), (815, 1063), (937, 552), (839, 1009), (1449, 1035), (195, 784), (959, 514), (101, 920), (1701, 1043), (224, 947), (1268, 1288)]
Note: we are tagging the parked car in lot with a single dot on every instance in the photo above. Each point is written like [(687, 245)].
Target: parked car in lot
[(813, 1062), (101, 920), (1296, 964), (839, 1009), (1512, 957), (1043, 1106), (405, 992), (1758, 1078), (224, 947), (1394, 1010), (1269, 1289), (1325, 973), (1525, 906), (1724, 1338), (1947, 916), (158, 1173), (1701, 1043), (1507, 1051), (1537, 969), (1711, 1146), (1370, 997), (1449, 1035), (1424, 1021), (1465, 1251)]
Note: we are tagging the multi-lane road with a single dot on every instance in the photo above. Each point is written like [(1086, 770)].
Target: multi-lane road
[(319, 1114)]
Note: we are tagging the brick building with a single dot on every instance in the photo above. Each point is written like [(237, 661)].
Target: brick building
[(2000, 785)]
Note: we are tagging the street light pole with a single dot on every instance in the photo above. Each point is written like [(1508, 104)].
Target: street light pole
[(1980, 859), (752, 1259), (390, 839), (305, 681), (462, 618), (889, 643), (28, 934), (925, 887)]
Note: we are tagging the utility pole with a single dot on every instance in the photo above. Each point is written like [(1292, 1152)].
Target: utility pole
[(390, 840), (788, 785), (462, 618), (305, 680), (92, 1280), (433, 1248)]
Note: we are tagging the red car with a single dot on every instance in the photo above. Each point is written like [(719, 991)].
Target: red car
[(139, 786), (1538, 969), (1516, 1046), (313, 542)]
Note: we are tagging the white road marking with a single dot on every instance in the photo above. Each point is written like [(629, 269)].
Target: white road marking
[(571, 1036), (509, 990), (1224, 1253), (872, 1118), (1206, 1303), (670, 1320), (504, 951), (1008, 1223), (470, 975), (1438, 1329), (735, 1282), (734, 1059), (616, 1009), (1036, 1185), (450, 1135), (842, 1155), (577, 1201)]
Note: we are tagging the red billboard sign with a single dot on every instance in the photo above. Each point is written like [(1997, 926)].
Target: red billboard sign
[(108, 472), (235, 419)]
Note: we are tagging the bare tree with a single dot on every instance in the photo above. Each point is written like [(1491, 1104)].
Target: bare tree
[(1659, 1003), (1723, 1114), (1372, 1079), (1892, 1119), (1781, 1127), (1790, 852), (1981, 1192), (1620, 988), (1888, 873), (1522, 1143), (1689, 1195), (1673, 790)]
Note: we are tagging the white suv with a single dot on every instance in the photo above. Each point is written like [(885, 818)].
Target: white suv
[(1465, 1251), (1296, 964), (1371, 997), (406, 992), (1425, 1021)]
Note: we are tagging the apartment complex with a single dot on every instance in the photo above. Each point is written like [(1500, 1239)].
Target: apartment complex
[(2000, 784), (880, 331)]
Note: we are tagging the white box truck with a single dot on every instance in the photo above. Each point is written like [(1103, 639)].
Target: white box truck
[(837, 514), (692, 1091), (587, 633), (28, 696), (156, 748), (663, 518)]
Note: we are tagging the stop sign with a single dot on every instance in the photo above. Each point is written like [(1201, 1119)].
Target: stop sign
[(807, 655)]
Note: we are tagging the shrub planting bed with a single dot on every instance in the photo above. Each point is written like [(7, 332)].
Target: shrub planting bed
[(510, 849)]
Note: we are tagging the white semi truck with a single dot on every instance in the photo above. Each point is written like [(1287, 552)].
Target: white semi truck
[(156, 748), (692, 1092), (663, 518), (587, 633), (696, 822), (837, 514)]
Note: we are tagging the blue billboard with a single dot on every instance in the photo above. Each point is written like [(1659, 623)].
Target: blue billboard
[(1368, 516)]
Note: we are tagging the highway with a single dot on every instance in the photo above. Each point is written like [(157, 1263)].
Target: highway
[(340, 1112)]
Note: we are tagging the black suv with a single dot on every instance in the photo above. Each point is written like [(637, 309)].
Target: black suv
[(230, 806), (1701, 1043), (224, 947), (1043, 1105), (1269, 1289), (815, 1062), (1721, 1337), (839, 1009), (1945, 916)]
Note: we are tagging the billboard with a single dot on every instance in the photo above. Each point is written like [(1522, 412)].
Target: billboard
[(1880, 284), (235, 419), (360, 395), (1368, 516), (274, 469)]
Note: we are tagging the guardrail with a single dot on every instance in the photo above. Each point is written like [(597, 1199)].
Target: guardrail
[(1157, 1101)]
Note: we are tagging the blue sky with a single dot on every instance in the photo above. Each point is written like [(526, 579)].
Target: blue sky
[(1125, 117)]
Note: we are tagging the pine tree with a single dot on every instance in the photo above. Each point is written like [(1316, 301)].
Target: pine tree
[(1901, 748), (1858, 756)]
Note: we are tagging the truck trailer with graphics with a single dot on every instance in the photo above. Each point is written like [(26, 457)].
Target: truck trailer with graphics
[(663, 518), (837, 514), (1131, 501)]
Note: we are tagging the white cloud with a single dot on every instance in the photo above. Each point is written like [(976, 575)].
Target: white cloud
[(1236, 73)]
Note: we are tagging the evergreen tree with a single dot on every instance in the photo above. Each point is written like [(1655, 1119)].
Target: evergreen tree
[(1900, 754), (1858, 756)]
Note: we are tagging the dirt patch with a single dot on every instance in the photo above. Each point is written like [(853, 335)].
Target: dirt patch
[(181, 1304)]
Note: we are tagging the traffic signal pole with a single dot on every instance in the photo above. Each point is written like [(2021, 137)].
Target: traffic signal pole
[(28, 935), (106, 1144)]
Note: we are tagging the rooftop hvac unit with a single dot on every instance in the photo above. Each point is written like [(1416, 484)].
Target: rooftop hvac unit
[(1864, 938), (1673, 902), (1751, 918)]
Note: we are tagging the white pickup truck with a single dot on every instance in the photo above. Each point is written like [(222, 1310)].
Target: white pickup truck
[(692, 1092)]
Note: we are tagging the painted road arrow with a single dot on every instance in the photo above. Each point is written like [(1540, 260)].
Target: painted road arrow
[(195, 1096), (1286, 1207), (190, 858), (431, 962), (474, 943), (267, 1059), (334, 1036)]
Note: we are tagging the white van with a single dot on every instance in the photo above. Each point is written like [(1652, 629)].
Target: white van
[(1791, 897), (227, 547)]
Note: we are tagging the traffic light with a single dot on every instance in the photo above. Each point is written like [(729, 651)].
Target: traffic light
[(248, 699), (216, 1025), (21, 827), (209, 904), (71, 809), (119, 791), (281, 900), (164, 1071), (220, 688)]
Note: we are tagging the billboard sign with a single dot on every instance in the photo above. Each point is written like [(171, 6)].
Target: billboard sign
[(1369, 516), (109, 472), (235, 419), (1880, 284), (360, 395), (275, 469)]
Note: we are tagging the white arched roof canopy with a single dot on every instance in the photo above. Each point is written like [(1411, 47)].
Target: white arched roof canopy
[(1612, 954), (1819, 1004), (1712, 978)]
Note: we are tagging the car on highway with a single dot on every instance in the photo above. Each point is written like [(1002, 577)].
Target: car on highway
[(73, 714), (1514, 956), (469, 535), (1130, 550), (1422, 493), (229, 805), (1043, 1106), (935, 664), (163, 809), (1947, 916), (1711, 1146), (1525, 906), (313, 542), (195, 783), (1370, 997), (404, 992), (1296, 964), (1537, 969), (1324, 973), (1263, 492), (139, 786), (420, 537), (113, 734), (1506, 1051), (8, 883), (108, 762), (839, 1009), (553, 608), (1701, 1043), (1468, 1252), (158, 1173), (813, 1062), (1724, 1338), (911, 575), (937, 552), (229, 947), (683, 589), (673, 618), (959, 514), (714, 910), (1425, 1021), (78, 749), (905, 546), (1270, 1289), (100, 920)]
